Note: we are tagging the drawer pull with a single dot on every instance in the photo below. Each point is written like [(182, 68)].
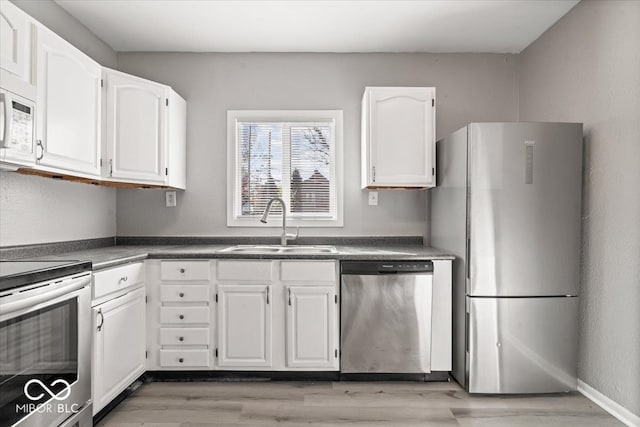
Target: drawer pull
[(181, 360), (123, 279), (181, 339), (181, 294), (181, 316), (182, 270)]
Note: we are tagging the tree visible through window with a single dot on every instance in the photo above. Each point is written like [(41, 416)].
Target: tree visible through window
[(291, 160)]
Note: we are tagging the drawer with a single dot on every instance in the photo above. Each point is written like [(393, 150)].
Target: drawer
[(244, 270), (308, 271), (190, 358), (184, 293), (115, 279), (184, 336), (184, 315), (184, 270)]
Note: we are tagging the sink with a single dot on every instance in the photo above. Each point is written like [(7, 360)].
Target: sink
[(308, 250), (268, 249), (252, 249)]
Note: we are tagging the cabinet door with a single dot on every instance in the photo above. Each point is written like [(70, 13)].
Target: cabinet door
[(119, 346), (311, 327), (244, 325), (136, 129), (401, 137), (68, 106), (14, 41)]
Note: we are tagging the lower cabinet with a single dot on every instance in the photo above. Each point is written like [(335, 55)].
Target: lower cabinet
[(312, 327), (118, 346), (244, 325), (277, 315)]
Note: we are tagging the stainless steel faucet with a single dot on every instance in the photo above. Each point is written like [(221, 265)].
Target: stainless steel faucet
[(284, 237)]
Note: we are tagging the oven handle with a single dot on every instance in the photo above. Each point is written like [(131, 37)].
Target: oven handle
[(31, 301)]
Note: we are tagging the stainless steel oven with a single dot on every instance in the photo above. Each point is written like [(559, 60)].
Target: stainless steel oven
[(45, 352)]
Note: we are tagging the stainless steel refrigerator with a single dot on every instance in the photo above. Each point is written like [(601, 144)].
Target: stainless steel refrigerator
[(508, 205)]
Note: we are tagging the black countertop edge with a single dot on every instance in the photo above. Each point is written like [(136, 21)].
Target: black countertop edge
[(46, 274), (268, 240), (45, 249)]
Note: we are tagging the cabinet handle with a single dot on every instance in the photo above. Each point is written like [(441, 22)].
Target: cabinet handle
[(123, 279), (181, 360), (110, 167), (181, 316), (374, 173), (39, 144), (182, 270), (101, 320), (289, 289), (181, 339), (267, 295), (181, 294)]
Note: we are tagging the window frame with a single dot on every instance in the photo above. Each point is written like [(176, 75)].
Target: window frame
[(234, 216)]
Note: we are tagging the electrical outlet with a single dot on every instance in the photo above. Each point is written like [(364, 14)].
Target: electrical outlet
[(373, 198), (170, 198)]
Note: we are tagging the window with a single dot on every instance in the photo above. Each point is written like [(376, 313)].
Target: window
[(294, 155)]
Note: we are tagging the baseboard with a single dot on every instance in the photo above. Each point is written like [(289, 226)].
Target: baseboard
[(615, 409)]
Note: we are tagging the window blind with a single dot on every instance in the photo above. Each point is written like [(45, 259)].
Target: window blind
[(291, 160)]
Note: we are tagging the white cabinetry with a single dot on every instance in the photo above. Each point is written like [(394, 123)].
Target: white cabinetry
[(135, 127), (145, 131), (119, 343), (441, 316), (16, 55), (244, 325), (312, 327), (277, 315), (398, 137), (179, 313), (68, 106)]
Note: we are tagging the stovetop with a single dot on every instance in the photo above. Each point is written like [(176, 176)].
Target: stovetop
[(16, 273)]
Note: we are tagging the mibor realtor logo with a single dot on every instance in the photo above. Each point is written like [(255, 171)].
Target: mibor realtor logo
[(35, 390)]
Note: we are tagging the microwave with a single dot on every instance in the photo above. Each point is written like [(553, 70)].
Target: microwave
[(17, 129)]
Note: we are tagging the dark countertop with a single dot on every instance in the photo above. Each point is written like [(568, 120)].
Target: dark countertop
[(116, 255)]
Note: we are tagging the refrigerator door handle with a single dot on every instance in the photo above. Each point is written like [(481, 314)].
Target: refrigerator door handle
[(467, 258)]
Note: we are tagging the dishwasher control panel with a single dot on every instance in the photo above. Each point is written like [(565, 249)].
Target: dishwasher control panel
[(386, 267)]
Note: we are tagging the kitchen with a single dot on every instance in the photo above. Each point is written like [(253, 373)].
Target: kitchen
[(564, 74)]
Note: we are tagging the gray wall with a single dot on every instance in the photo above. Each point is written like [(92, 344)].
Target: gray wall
[(470, 87), (586, 68), (40, 210)]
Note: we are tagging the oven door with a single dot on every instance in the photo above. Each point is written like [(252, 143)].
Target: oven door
[(45, 350)]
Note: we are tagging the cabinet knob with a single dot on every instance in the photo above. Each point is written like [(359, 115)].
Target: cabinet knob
[(182, 270), (181, 316), (181, 360), (180, 339), (181, 294)]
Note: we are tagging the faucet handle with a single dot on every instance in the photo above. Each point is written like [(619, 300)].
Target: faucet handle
[(293, 236)]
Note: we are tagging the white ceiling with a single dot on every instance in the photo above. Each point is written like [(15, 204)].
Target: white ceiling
[(318, 26)]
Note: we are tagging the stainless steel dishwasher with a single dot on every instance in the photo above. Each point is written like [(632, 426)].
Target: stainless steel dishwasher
[(386, 316)]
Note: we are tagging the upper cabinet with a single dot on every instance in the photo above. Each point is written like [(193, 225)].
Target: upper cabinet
[(16, 53), (17, 88), (145, 131), (62, 114), (398, 137), (68, 107), (136, 119)]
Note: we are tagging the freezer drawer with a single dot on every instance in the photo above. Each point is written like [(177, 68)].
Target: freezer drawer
[(522, 345), (386, 323)]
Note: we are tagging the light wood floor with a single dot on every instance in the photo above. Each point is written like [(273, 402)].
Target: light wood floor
[(199, 404)]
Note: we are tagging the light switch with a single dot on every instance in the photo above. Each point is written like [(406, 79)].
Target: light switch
[(170, 198), (373, 198)]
